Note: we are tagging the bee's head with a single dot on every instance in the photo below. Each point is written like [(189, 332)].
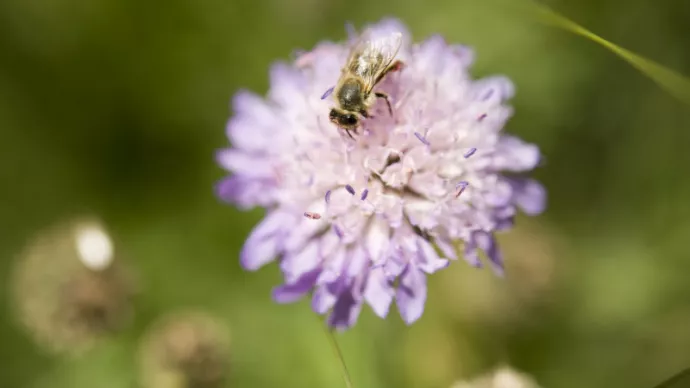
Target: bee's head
[(343, 119)]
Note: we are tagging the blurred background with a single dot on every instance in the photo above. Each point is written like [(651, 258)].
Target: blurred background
[(110, 114)]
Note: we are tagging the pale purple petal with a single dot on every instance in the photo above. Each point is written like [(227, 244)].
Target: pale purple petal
[(464, 53), (471, 254), (292, 292), (296, 264), (389, 26), (377, 239), (395, 265), (322, 300), (505, 217), (246, 192), (500, 195), (345, 311), (487, 243), (287, 84), (300, 233), (338, 286), (515, 155), (530, 196), (357, 263), (249, 127), (250, 165), (446, 248), (427, 258), (430, 54), (411, 294), (379, 292), (496, 89), (256, 254), (263, 244)]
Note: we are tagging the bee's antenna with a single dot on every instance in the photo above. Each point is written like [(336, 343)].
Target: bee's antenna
[(349, 133)]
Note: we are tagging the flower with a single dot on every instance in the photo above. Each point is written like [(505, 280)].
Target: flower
[(70, 289), (185, 349), (503, 377), (365, 219)]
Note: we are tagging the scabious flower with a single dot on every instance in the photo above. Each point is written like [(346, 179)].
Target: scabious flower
[(70, 289), (503, 377), (185, 349), (366, 219)]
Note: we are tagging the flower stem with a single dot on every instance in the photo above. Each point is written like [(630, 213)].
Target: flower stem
[(339, 355), (672, 82)]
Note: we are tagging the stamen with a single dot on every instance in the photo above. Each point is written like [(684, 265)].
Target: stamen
[(488, 94), (470, 152), (351, 31), (298, 53), (460, 187), (338, 231), (481, 117), (377, 265), (422, 138), (328, 196), (327, 92), (364, 194), (350, 189), (312, 216)]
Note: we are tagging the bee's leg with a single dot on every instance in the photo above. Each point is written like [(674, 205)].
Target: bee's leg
[(365, 114), (393, 67), (385, 97), (349, 133)]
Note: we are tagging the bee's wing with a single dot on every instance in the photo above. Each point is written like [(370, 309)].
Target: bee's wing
[(371, 55)]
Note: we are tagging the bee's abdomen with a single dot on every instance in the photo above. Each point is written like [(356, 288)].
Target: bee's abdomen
[(350, 95)]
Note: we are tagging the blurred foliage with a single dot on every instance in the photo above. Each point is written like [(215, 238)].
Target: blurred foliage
[(116, 107)]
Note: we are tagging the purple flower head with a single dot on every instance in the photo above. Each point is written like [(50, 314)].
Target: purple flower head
[(366, 219)]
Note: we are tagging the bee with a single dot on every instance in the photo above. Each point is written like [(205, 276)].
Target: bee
[(369, 61)]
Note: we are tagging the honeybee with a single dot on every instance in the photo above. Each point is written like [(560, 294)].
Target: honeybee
[(369, 61)]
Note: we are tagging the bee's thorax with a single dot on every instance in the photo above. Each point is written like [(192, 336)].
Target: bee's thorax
[(349, 95)]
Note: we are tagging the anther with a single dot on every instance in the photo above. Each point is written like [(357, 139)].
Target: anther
[(470, 152), (364, 194), (481, 117), (460, 187), (377, 265), (422, 138), (327, 92), (312, 216), (338, 231), (350, 189), (328, 196)]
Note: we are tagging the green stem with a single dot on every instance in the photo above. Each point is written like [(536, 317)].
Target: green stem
[(674, 83), (339, 355)]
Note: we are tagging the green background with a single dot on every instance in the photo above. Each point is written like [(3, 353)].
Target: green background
[(116, 107)]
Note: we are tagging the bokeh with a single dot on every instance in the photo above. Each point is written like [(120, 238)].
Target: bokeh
[(113, 109)]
